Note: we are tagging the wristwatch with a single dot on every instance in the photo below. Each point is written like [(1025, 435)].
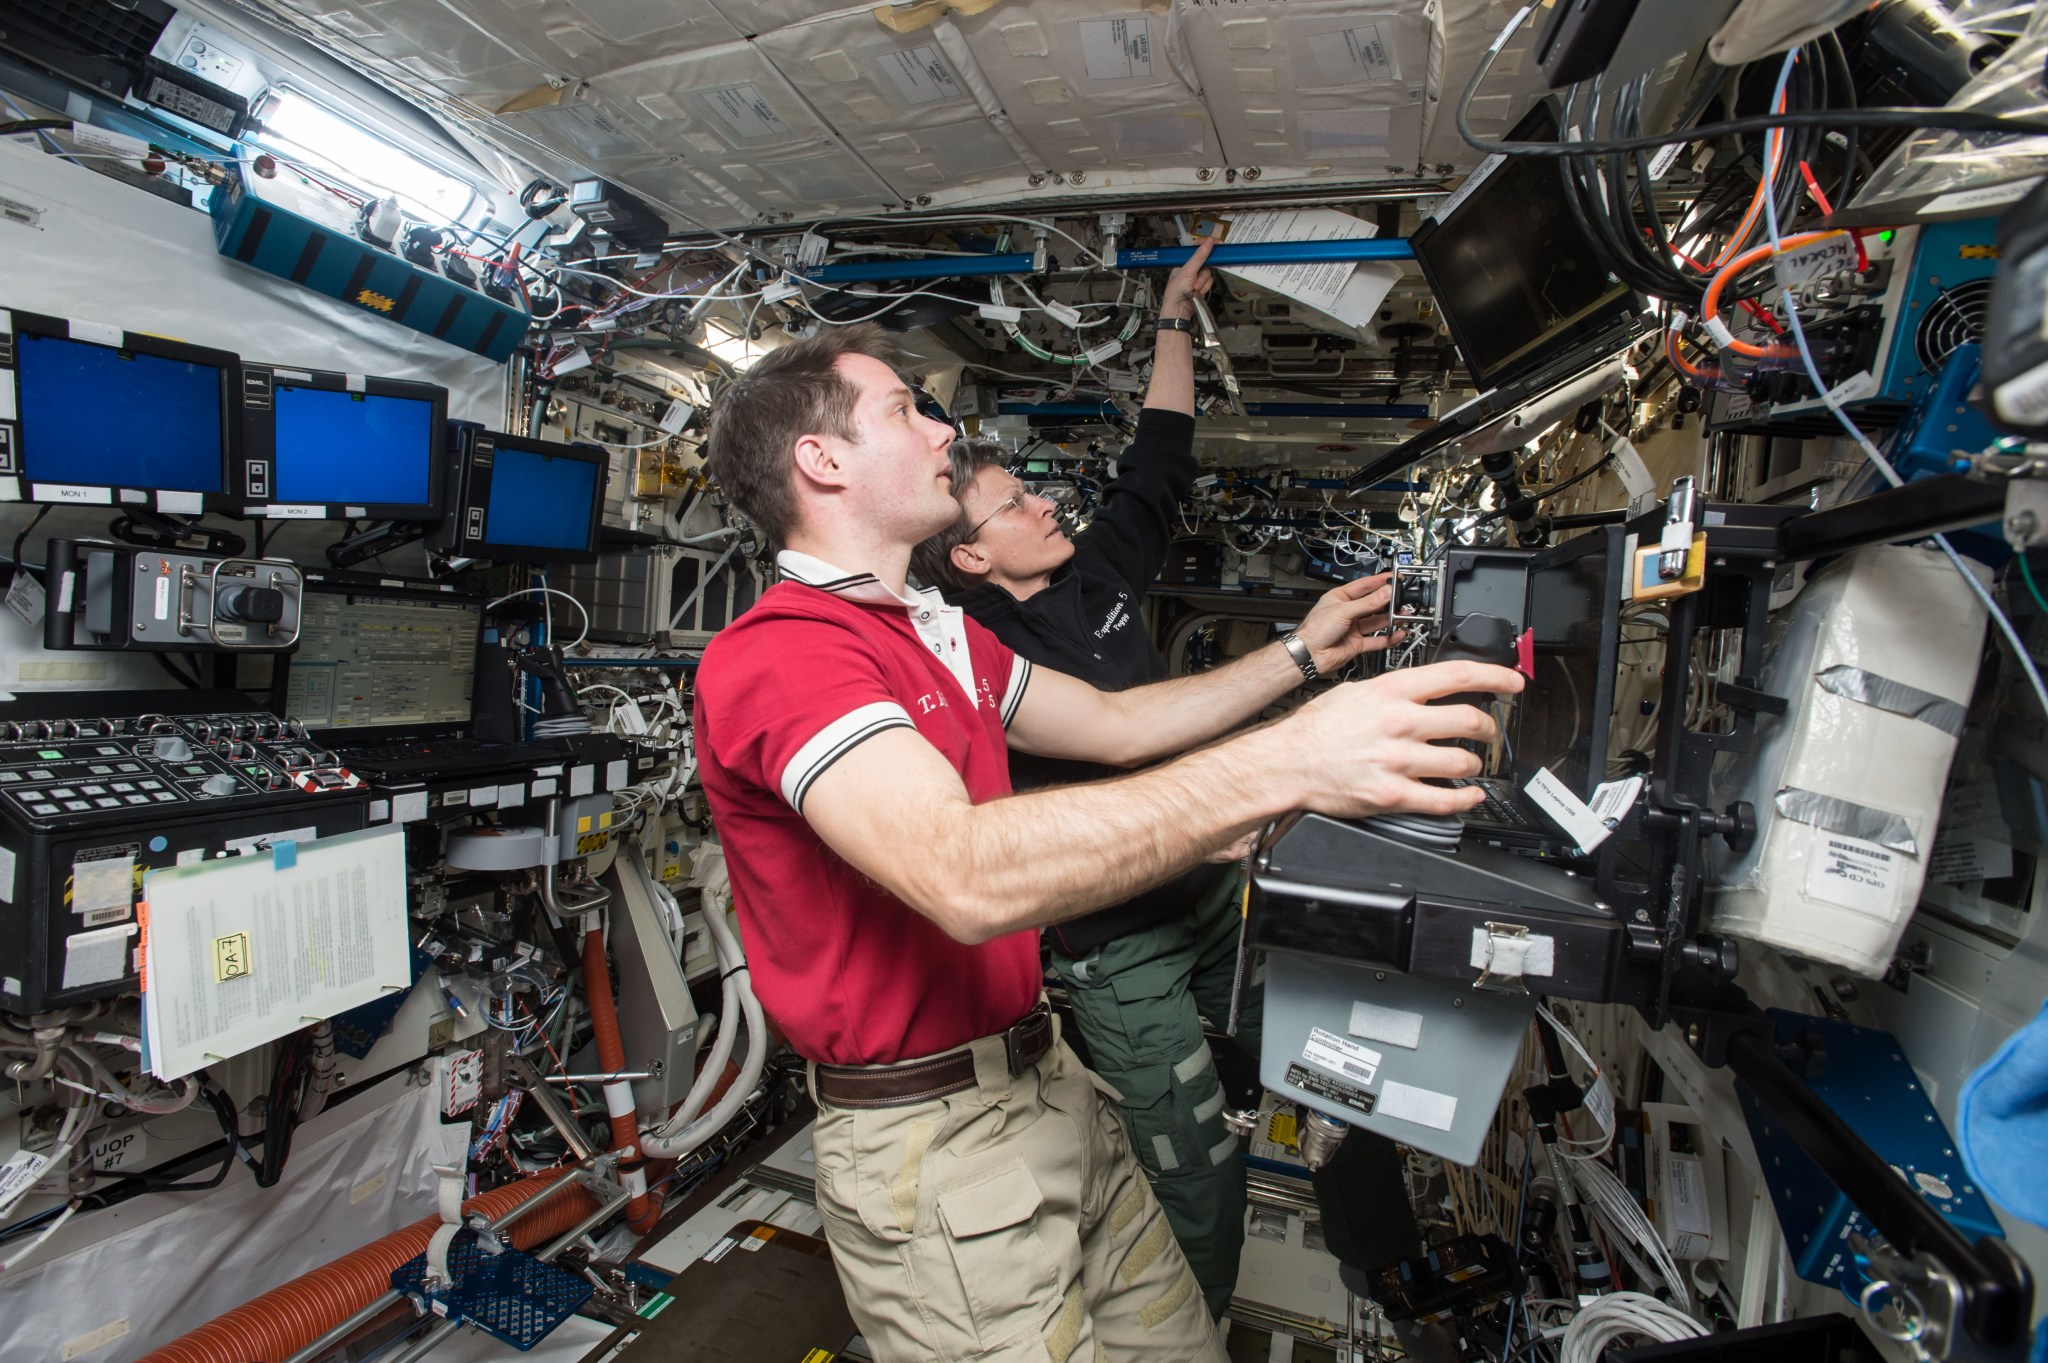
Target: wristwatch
[(1303, 659), (1180, 324)]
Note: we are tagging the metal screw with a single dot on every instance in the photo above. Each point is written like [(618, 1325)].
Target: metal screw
[(1642, 916), (1206, 174), (1380, 975), (924, 201), (1397, 170), (1252, 172), (2022, 525), (1444, 167), (1035, 181), (1457, 1002), (1078, 176)]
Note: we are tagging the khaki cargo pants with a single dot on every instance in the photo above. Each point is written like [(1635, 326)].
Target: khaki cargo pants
[(1005, 1222)]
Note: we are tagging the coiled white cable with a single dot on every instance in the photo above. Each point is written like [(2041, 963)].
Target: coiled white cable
[(1623, 1315), (1601, 1190)]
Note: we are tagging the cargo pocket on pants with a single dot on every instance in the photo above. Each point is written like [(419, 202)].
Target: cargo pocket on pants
[(1006, 1275)]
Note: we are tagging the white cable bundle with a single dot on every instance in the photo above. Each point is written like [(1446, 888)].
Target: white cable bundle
[(1603, 1192), (1622, 1315)]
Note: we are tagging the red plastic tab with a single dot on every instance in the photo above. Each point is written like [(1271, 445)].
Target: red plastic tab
[(1525, 654)]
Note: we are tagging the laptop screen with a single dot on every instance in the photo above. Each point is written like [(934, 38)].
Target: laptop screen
[(1562, 718), (1516, 277), (378, 657)]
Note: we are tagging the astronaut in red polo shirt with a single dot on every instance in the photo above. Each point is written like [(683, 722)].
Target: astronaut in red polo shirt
[(975, 1181)]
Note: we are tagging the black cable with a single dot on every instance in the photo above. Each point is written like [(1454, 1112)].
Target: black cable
[(1532, 498), (223, 1111), (21, 540), (1930, 120), (281, 1108), (34, 125), (1890, 116), (1837, 58)]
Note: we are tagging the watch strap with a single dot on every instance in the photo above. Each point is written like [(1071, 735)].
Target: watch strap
[(1303, 659)]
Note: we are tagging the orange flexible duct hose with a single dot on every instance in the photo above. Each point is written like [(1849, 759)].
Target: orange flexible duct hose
[(288, 1318), (643, 1211)]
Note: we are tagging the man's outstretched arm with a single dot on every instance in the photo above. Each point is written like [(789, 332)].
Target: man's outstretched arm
[(896, 810), (1062, 717)]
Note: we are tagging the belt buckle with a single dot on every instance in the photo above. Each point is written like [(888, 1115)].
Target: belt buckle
[(1014, 1038)]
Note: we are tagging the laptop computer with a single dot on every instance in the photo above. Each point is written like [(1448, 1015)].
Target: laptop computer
[(1528, 300), (1562, 720), (385, 676)]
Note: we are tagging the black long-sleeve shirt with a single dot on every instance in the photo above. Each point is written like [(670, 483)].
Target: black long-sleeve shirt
[(1086, 623)]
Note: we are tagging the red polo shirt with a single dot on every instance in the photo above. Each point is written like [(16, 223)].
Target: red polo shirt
[(822, 662)]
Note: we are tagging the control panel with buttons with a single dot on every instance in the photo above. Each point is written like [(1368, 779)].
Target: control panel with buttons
[(58, 771), (89, 805)]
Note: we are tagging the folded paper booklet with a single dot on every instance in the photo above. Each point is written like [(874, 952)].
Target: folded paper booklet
[(240, 951)]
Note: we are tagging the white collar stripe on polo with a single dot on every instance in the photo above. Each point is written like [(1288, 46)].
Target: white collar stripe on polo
[(941, 627)]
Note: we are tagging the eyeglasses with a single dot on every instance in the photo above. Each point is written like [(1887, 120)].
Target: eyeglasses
[(1014, 500)]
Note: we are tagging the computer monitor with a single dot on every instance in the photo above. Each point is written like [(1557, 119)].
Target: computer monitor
[(376, 660), (1562, 719), (323, 446), (517, 500), (93, 415), (1516, 277)]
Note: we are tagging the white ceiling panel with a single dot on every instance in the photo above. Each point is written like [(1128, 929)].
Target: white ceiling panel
[(426, 44), (1090, 86), (1330, 85), (733, 119), (916, 106)]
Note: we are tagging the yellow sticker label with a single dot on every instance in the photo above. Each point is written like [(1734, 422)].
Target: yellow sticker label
[(672, 871), (819, 1356), (594, 842), (230, 956), (377, 301), (583, 824)]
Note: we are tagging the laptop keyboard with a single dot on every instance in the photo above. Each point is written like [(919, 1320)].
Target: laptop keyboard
[(435, 754), (1502, 805)]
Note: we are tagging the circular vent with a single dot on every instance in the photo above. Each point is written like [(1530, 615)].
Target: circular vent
[(1954, 318)]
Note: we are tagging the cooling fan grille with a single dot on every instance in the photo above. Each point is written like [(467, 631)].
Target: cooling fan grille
[(1955, 317)]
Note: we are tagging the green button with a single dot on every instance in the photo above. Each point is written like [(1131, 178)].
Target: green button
[(51, 756)]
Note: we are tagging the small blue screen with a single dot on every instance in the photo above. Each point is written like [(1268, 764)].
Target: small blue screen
[(100, 417), (540, 501), (358, 449)]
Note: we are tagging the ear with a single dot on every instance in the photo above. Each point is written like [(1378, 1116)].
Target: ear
[(969, 560), (818, 461)]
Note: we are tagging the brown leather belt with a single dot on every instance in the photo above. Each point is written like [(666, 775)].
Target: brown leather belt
[(1024, 1042)]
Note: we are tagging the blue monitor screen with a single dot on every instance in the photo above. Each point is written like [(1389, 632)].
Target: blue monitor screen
[(540, 501), (358, 449), (99, 417)]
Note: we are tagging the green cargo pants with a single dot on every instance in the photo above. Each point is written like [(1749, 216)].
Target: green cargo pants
[(1140, 1001)]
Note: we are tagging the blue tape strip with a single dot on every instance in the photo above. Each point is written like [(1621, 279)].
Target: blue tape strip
[(284, 855)]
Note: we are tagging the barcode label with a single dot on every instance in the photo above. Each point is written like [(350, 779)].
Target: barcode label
[(1334, 1053)]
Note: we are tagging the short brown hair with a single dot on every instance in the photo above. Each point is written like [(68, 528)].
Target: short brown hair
[(932, 561), (791, 392)]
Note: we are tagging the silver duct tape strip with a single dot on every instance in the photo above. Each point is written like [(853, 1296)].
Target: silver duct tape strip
[(1854, 683), (1849, 819)]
